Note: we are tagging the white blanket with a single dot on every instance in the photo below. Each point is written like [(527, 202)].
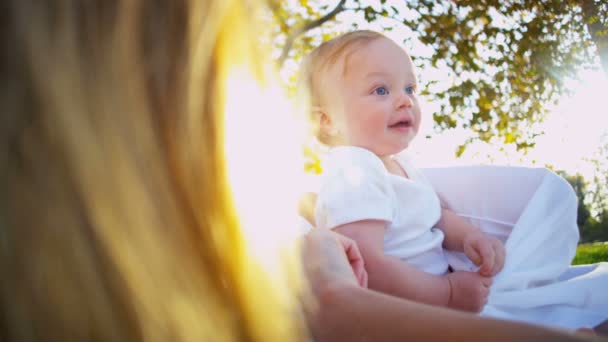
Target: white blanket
[(534, 212)]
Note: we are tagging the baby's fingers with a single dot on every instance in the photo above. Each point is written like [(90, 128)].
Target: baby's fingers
[(471, 252), (487, 257), (486, 282)]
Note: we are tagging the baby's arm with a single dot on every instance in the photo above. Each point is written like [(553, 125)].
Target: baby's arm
[(390, 275), (455, 229), (461, 236)]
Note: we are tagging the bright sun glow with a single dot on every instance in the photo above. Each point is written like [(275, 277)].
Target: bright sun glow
[(263, 149), (574, 128), (573, 131)]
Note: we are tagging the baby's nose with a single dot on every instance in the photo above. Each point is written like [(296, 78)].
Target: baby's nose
[(404, 100)]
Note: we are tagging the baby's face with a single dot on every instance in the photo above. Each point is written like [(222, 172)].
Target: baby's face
[(373, 103)]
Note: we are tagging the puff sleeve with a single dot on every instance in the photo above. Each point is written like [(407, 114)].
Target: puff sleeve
[(355, 187)]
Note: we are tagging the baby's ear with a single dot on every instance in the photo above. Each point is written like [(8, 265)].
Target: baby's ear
[(323, 121)]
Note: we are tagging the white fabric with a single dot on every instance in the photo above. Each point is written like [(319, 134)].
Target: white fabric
[(356, 186), (534, 212)]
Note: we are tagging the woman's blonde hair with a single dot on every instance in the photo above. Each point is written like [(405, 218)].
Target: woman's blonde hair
[(116, 219), (317, 64)]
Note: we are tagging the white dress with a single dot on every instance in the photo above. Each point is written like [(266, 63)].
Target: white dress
[(356, 186), (532, 210)]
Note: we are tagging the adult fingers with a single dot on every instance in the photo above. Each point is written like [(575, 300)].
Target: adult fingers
[(354, 258), (325, 259), (362, 278)]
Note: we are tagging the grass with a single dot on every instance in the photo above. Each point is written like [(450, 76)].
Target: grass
[(591, 253)]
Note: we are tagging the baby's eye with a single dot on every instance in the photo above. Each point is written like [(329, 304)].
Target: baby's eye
[(410, 90), (381, 91)]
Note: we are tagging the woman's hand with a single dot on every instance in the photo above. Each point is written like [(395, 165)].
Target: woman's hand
[(329, 258), (485, 251)]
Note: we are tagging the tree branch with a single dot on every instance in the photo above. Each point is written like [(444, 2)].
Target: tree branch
[(591, 16), (308, 26), (276, 11)]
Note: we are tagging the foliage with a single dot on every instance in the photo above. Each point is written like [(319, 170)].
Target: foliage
[(312, 163), (598, 191), (592, 227), (507, 59), (591, 253), (592, 198)]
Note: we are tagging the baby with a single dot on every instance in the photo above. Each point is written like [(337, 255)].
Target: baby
[(364, 107)]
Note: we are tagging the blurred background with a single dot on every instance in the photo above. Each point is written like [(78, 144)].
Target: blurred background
[(509, 83)]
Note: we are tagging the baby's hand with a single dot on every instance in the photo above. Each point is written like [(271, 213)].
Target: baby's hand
[(485, 251), (468, 290)]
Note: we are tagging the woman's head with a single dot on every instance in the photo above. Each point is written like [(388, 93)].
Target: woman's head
[(363, 93), (116, 219)]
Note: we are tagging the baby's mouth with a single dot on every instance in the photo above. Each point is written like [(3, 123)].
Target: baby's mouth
[(405, 123)]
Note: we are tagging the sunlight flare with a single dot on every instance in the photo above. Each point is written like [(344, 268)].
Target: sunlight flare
[(264, 156)]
